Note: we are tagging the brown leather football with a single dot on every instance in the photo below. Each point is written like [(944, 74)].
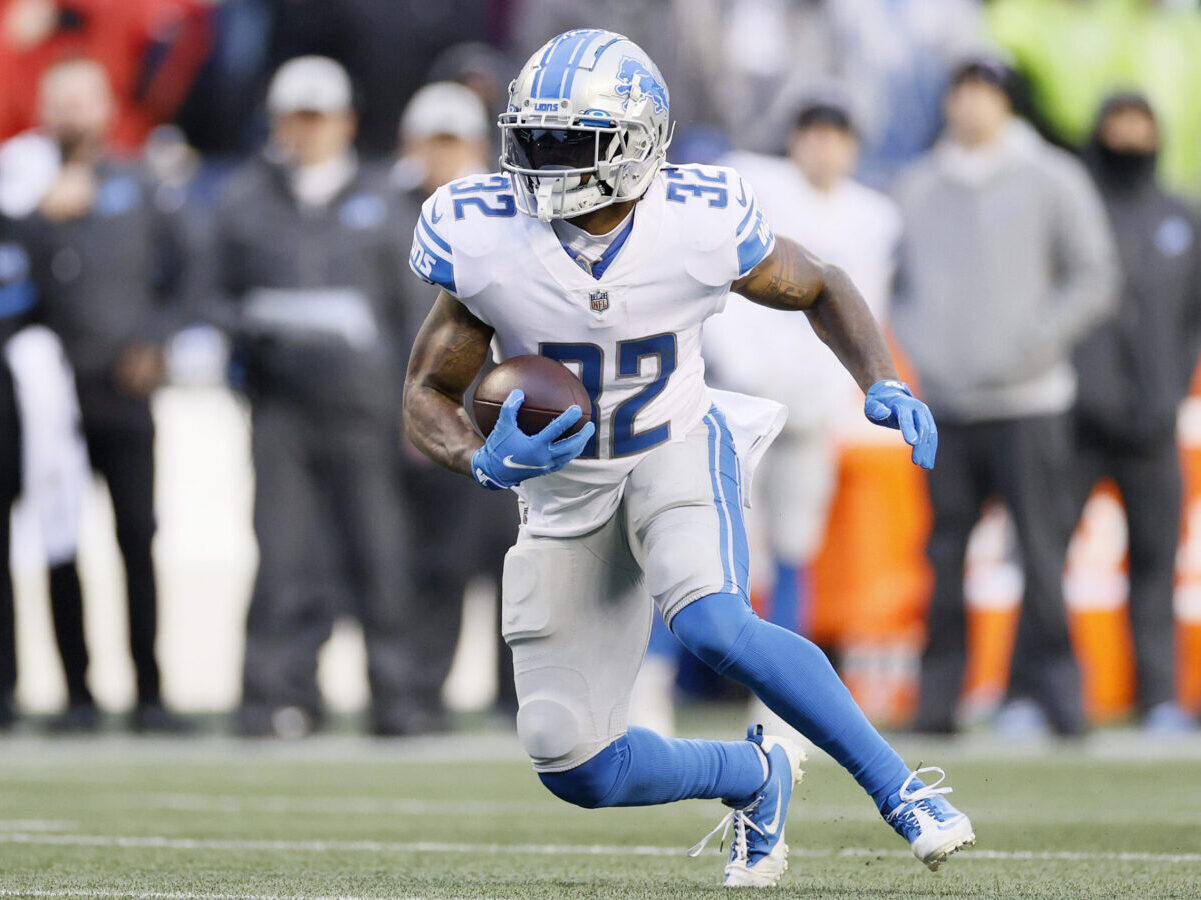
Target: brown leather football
[(549, 386)]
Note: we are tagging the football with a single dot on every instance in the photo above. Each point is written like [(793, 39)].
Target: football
[(549, 386)]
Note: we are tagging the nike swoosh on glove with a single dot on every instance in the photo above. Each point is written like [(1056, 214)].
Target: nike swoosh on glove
[(510, 456), (892, 404)]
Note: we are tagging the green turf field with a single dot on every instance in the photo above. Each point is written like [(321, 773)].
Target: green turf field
[(340, 817)]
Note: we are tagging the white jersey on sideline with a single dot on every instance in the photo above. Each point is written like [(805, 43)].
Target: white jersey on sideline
[(853, 227), (633, 334)]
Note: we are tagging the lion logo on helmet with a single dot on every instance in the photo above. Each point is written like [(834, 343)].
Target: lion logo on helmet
[(635, 81)]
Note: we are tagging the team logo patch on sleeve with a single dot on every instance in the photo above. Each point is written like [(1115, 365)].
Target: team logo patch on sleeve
[(598, 301)]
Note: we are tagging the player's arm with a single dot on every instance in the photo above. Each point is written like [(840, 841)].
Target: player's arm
[(792, 278), (449, 352)]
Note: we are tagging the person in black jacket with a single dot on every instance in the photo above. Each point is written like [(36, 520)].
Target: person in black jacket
[(1134, 371), (308, 269), (456, 533), (108, 263), (17, 298)]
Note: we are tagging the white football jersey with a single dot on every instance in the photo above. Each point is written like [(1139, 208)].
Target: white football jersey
[(631, 331)]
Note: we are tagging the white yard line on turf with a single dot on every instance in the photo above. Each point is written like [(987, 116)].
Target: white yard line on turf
[(179, 895), (37, 825), (152, 841), (288, 804), (284, 804), (229, 803)]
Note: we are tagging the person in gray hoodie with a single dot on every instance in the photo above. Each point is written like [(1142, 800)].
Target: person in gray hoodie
[(1007, 262)]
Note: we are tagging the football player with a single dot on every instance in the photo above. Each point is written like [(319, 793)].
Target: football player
[(588, 249)]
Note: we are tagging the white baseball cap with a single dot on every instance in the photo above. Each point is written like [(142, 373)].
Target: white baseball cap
[(445, 108), (309, 84)]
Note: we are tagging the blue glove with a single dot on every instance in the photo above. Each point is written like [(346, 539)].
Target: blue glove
[(510, 456), (892, 404)]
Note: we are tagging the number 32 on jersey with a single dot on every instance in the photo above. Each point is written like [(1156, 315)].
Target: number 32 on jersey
[(590, 360)]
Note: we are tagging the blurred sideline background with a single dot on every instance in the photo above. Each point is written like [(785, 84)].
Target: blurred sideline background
[(871, 580), (206, 558)]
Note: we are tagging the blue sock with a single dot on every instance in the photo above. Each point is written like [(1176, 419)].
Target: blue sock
[(785, 596), (793, 677), (643, 769)]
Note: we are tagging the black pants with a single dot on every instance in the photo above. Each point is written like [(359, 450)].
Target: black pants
[(458, 531), (119, 433), (10, 486), (1024, 463), (1152, 489), (326, 496)]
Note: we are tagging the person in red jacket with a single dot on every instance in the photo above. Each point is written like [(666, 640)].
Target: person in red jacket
[(152, 50)]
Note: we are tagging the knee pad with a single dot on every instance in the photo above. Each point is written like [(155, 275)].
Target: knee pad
[(577, 635), (713, 627), (548, 730), (591, 784)]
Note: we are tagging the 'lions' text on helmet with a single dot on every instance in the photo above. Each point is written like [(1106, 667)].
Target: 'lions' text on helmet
[(587, 125)]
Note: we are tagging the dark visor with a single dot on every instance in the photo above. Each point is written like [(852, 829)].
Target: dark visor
[(538, 148)]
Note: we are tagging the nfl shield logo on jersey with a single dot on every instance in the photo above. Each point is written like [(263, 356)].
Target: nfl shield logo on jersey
[(598, 301)]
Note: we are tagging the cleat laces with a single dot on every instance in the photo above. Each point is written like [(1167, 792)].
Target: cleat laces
[(909, 799), (740, 821)]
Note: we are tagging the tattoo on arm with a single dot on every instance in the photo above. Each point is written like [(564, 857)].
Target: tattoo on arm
[(447, 355), (792, 278)]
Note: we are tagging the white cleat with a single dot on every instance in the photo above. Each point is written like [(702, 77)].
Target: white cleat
[(932, 826), (758, 853)]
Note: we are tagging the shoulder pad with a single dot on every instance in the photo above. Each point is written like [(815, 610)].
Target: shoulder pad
[(460, 220), (724, 218)]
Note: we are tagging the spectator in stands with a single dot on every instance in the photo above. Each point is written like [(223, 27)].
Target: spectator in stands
[(55, 476), (445, 133), (707, 84), (1007, 262), (109, 268), (387, 46), (152, 50), (1134, 371), (481, 67), (17, 297), (893, 58), (1075, 52), (487, 71), (810, 197), (220, 114), (308, 272), (743, 66)]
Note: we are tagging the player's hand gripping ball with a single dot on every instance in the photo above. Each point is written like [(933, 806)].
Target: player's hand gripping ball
[(536, 417), (892, 404)]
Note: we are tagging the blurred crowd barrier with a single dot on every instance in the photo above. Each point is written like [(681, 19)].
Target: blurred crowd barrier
[(872, 614)]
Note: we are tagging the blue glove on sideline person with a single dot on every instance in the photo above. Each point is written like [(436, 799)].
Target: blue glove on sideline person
[(892, 404), (510, 456)]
